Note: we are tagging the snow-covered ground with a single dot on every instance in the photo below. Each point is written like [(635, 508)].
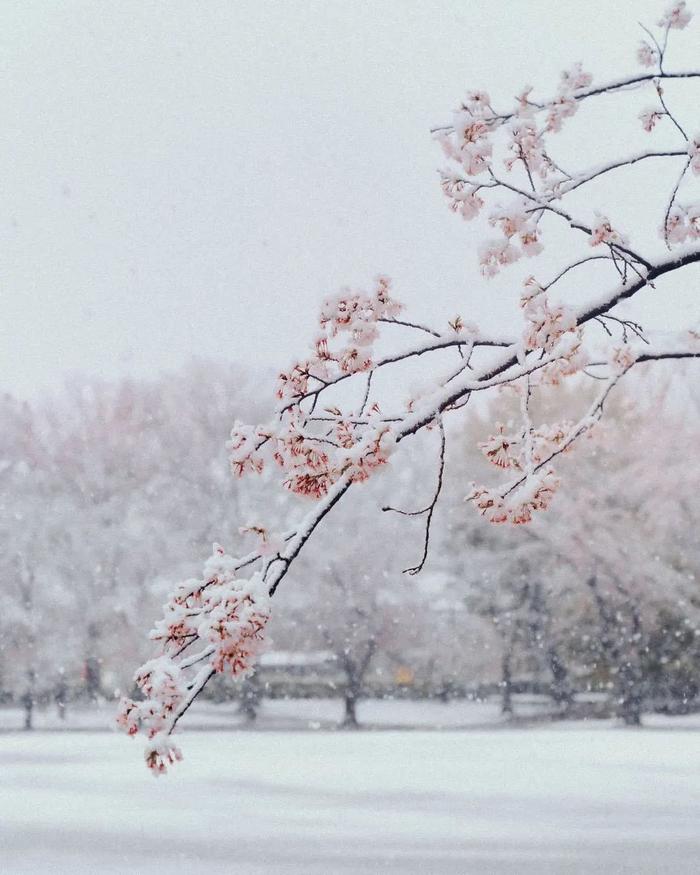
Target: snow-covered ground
[(570, 798)]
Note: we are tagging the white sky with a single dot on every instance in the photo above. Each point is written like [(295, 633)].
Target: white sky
[(186, 178)]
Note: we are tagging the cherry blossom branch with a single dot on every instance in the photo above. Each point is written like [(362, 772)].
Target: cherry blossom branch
[(200, 682), (406, 324), (615, 85), (489, 377), (576, 224), (670, 354), (572, 266), (682, 258), (278, 566), (627, 82), (594, 173), (441, 343), (586, 422), (625, 324), (307, 528), (216, 623), (668, 112)]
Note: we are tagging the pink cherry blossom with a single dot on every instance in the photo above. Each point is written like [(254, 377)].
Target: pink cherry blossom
[(647, 55), (498, 448), (561, 107), (527, 145), (575, 79), (160, 753), (603, 232), (534, 493), (649, 117), (546, 323), (495, 254), (676, 230), (693, 218), (463, 198), (622, 357), (694, 153), (677, 16)]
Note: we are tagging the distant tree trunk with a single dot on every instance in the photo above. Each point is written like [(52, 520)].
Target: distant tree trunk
[(28, 700), (561, 689), (630, 701), (251, 695), (60, 696), (350, 720), (507, 680), (354, 674), (28, 711), (355, 671), (92, 671)]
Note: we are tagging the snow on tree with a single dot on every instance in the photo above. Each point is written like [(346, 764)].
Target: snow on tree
[(338, 422)]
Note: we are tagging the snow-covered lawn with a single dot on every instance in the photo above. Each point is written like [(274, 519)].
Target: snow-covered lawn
[(569, 799)]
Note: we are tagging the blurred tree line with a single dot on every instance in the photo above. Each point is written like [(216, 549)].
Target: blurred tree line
[(110, 491)]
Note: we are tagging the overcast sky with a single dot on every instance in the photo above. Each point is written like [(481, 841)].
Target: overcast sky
[(188, 178)]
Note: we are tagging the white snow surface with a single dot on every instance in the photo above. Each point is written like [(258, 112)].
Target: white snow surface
[(566, 798)]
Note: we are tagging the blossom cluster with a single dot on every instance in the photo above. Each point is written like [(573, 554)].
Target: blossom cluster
[(622, 357), (682, 224), (225, 611), (223, 614), (163, 686), (677, 16), (313, 462), (525, 141), (564, 104), (469, 145), (552, 328), (545, 322), (314, 452), (603, 232), (650, 116), (694, 154), (533, 494), (352, 317), (518, 226), (462, 196), (515, 450), (161, 752), (312, 465), (647, 55), (469, 142), (244, 448), (569, 357)]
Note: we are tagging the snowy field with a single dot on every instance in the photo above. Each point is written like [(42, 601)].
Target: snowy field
[(572, 798)]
